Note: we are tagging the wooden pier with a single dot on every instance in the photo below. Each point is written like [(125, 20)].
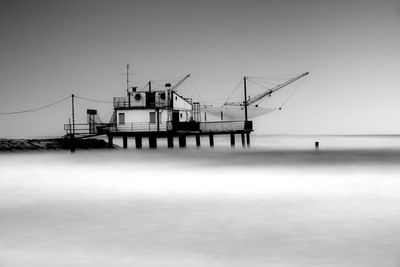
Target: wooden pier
[(182, 138), (198, 131), (205, 129)]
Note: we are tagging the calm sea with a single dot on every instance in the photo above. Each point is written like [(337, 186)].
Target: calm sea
[(278, 203)]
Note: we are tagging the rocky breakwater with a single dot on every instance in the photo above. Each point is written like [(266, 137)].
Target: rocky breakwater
[(50, 144)]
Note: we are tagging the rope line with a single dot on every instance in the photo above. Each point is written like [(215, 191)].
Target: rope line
[(93, 100), (212, 80), (234, 90), (291, 94), (195, 89), (35, 109)]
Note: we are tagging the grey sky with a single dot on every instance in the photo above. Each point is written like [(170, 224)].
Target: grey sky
[(50, 49)]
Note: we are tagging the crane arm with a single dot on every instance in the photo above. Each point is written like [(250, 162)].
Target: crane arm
[(179, 83), (274, 89), (268, 92)]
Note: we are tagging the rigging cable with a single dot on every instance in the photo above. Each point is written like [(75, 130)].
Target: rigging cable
[(36, 109), (212, 80), (262, 86), (291, 94), (234, 90), (195, 89), (93, 100)]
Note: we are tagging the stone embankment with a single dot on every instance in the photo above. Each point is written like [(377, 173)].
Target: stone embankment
[(49, 144)]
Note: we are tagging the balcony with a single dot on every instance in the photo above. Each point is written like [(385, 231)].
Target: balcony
[(121, 102)]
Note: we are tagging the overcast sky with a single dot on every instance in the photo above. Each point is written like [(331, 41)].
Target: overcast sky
[(51, 49)]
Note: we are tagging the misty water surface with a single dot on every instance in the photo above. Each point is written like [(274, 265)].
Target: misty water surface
[(279, 203)]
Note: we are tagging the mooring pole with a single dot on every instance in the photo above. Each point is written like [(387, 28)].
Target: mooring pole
[(245, 100), (316, 144), (72, 131), (73, 114)]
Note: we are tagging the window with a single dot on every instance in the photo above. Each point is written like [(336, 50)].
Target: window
[(121, 118), (152, 117)]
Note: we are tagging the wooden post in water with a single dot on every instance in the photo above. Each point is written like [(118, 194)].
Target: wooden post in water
[(211, 140), (182, 141), (316, 145), (197, 140), (243, 140), (125, 141), (110, 141), (232, 140), (248, 139), (138, 141), (71, 137), (152, 142), (170, 141)]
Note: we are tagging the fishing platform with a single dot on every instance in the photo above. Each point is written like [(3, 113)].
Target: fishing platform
[(164, 113)]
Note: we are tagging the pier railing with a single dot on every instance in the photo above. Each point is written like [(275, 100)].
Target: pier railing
[(139, 127), (207, 127), (123, 102), (85, 128)]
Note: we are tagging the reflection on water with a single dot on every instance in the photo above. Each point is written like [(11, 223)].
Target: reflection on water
[(279, 203)]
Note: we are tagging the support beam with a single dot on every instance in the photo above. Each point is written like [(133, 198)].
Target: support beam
[(248, 139), (125, 141), (158, 119), (138, 141), (232, 139), (152, 142), (243, 140), (73, 114), (197, 140), (245, 99), (182, 141), (110, 141), (170, 141), (211, 140)]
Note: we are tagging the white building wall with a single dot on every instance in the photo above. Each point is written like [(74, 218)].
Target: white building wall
[(185, 115), (139, 120), (179, 103)]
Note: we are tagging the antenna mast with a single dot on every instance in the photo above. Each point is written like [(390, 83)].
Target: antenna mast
[(127, 78), (127, 85)]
